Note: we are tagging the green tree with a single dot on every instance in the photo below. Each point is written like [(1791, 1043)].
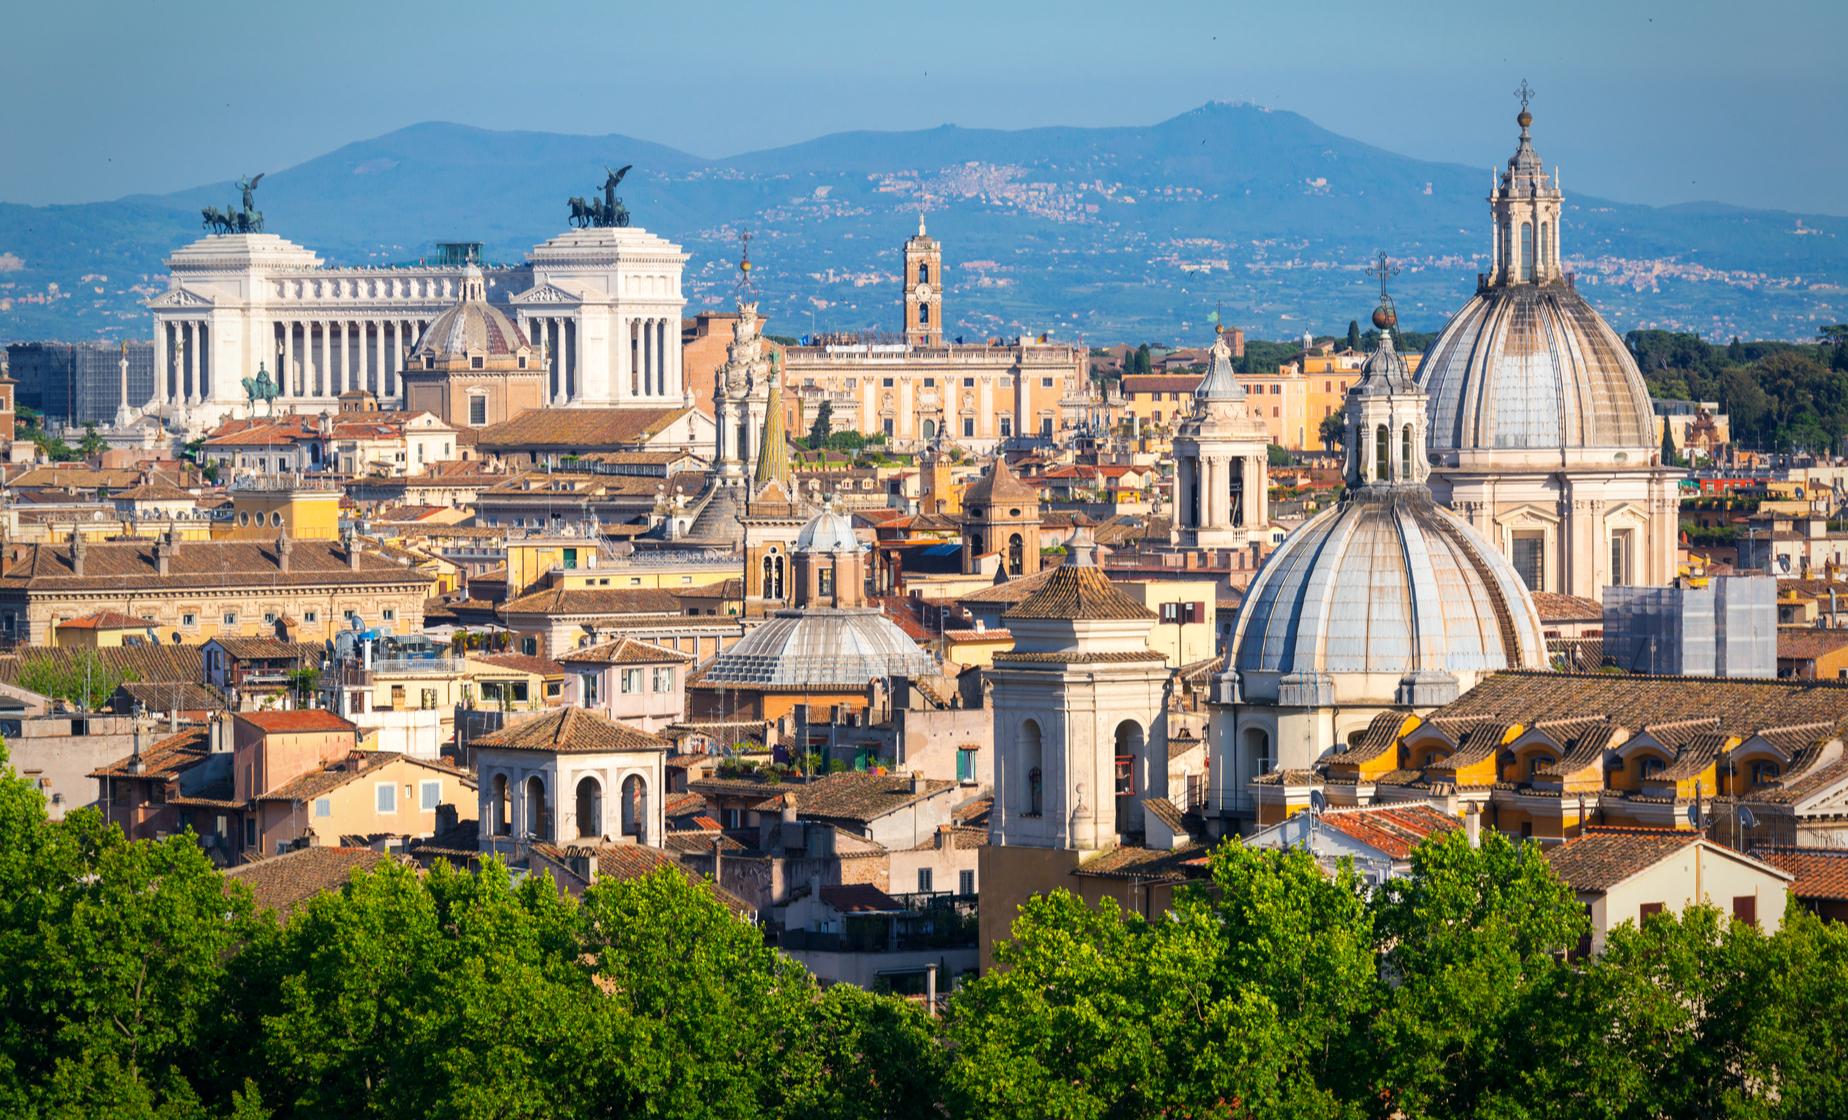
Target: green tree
[(1142, 359), (82, 678), (1334, 427), (92, 443), (823, 426), (1353, 334), (1277, 455)]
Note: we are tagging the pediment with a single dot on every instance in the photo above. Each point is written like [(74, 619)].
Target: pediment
[(548, 292), (179, 297)]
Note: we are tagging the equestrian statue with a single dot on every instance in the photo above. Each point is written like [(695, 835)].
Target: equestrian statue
[(601, 212)]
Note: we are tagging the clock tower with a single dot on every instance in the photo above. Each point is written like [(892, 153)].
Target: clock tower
[(923, 282)]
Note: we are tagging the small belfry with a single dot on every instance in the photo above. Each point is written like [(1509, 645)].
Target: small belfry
[(923, 289), (1526, 204), (1221, 464), (1384, 432)]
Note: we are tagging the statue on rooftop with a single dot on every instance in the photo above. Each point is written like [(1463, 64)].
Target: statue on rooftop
[(605, 211)]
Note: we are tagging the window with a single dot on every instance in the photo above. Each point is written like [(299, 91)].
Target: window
[(664, 680), (1528, 559), (190, 620), (1007, 426), (923, 272), (965, 765), (397, 697), (924, 880), (428, 699), (230, 618), (429, 795), (389, 614), (529, 646), (1745, 909), (1620, 558), (734, 818), (386, 797), (311, 616), (887, 382), (474, 362), (477, 411), (1527, 251), (1646, 909), (968, 382), (250, 832), (323, 807), (631, 680), (968, 427), (930, 383), (1045, 382), (965, 883), (924, 313), (887, 426), (589, 687)]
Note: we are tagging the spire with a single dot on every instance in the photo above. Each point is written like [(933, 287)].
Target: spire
[(920, 221), (773, 453), (1525, 203), (1385, 414)]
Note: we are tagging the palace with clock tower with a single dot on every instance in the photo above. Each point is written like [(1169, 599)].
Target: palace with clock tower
[(923, 289)]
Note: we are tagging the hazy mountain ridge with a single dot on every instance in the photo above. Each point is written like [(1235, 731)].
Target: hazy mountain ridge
[(1112, 233)]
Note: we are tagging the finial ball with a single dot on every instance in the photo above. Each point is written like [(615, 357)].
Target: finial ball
[(1525, 119), (1384, 318), (744, 266)]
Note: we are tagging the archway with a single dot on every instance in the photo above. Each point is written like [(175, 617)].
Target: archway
[(1130, 773), (1257, 752), (502, 807), (930, 429), (589, 807), (537, 819), (635, 808), (1032, 756), (1016, 555)]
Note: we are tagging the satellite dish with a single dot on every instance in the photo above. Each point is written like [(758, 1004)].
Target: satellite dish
[(1746, 819), (1694, 816), (1318, 803)]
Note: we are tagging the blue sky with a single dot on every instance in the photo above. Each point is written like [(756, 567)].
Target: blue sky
[(1641, 100)]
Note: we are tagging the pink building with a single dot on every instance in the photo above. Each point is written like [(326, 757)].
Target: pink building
[(634, 682)]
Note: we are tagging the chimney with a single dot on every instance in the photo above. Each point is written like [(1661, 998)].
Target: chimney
[(283, 548), (352, 551), (789, 811), (917, 781), (218, 736), (718, 856), (1472, 824), (587, 864), (163, 553), (78, 548), (446, 817), (945, 837)]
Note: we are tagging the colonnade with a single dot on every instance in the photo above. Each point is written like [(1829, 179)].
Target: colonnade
[(648, 356), (182, 361), (557, 337), (321, 358)]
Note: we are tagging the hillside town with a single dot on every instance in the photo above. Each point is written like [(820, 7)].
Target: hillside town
[(878, 641)]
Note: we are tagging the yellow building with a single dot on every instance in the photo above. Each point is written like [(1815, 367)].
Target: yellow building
[(105, 630), (303, 511)]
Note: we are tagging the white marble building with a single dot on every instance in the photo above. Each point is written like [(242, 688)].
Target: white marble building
[(604, 302)]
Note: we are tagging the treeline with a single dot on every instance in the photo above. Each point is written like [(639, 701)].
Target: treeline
[(137, 985), (1781, 396)]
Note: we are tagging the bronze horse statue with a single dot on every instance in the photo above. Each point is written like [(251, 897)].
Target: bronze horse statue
[(605, 211)]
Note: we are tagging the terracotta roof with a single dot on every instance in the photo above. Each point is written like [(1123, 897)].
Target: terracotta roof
[(1735, 705), (1821, 873), (296, 721), (269, 649), (595, 600), (955, 634), (144, 663), (1394, 830), (286, 882), (860, 898), (131, 566), (172, 696), (1807, 645), (1011, 591), (1075, 657), (1078, 592), (1184, 383), (572, 731), (999, 485), (1602, 858), (853, 797), (357, 764), (164, 759), (1147, 864), (522, 663), (1557, 607), (107, 620), (624, 651), (575, 429)]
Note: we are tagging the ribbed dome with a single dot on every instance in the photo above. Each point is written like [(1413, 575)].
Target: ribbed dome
[(473, 326), (1387, 582), (1534, 367), (821, 649), (828, 531)]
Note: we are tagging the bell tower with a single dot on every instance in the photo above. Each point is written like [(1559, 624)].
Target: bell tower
[(1221, 464), (923, 282)]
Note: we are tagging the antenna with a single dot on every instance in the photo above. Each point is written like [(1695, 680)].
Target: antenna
[(1318, 802)]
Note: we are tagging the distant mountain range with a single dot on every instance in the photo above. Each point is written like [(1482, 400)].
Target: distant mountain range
[(1112, 234)]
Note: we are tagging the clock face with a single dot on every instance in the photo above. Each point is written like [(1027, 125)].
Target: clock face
[(922, 291)]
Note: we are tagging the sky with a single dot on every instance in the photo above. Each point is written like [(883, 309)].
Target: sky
[(1656, 101)]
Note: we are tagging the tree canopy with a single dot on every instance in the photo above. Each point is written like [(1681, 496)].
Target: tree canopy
[(142, 983), (1780, 396)]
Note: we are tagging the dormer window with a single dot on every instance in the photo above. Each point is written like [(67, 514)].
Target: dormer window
[(1650, 767), (522, 361), (474, 361)]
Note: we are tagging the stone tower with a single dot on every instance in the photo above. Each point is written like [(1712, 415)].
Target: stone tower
[(1080, 716), (923, 283), (1525, 204), (1221, 464), (741, 397), (1001, 514)]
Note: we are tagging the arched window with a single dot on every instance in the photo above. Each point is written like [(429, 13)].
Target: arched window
[(1382, 451), (1032, 754), (1236, 492), (1016, 555), (923, 272), (1257, 752), (1405, 454), (1546, 246), (975, 544), (1527, 251), (635, 808), (589, 807), (1129, 768), (824, 581), (538, 821), (502, 808), (930, 429), (924, 313)]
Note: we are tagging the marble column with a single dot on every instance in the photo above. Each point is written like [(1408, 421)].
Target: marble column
[(160, 363), (346, 357), (192, 361)]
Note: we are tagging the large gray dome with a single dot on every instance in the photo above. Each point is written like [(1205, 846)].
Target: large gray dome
[(1387, 582), (1533, 367), (827, 649)]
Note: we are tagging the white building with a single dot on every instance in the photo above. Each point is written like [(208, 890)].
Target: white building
[(604, 302)]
